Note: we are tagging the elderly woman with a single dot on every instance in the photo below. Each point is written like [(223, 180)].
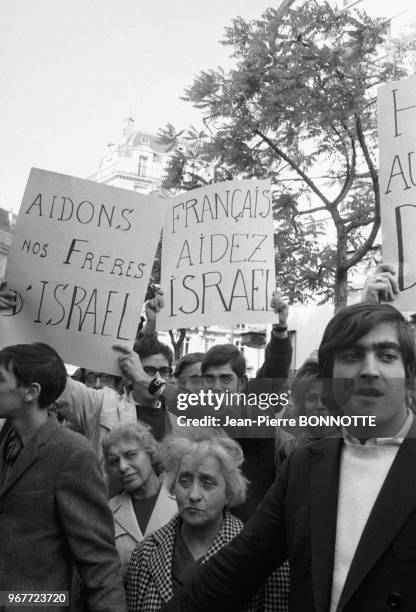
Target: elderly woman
[(131, 455), (203, 469)]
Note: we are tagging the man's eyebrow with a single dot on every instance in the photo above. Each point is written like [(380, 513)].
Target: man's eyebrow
[(388, 344), (383, 344)]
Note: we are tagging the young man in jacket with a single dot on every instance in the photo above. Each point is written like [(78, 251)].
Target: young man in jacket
[(342, 510)]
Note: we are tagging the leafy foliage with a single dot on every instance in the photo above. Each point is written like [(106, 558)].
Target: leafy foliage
[(298, 107)]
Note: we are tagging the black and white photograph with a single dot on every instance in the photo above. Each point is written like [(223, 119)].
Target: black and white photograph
[(208, 306)]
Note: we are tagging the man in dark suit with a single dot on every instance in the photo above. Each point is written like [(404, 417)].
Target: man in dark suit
[(54, 514), (342, 510)]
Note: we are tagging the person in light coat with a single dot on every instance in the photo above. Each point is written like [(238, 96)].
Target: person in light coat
[(131, 455)]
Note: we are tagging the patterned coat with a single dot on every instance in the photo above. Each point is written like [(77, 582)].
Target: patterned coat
[(149, 581)]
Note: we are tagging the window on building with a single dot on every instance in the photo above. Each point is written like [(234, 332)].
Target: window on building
[(240, 326), (145, 140), (142, 165), (239, 346)]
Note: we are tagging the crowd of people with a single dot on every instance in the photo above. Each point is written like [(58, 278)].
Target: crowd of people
[(105, 496)]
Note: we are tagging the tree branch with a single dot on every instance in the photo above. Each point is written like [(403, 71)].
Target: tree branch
[(350, 174), (359, 253), (312, 210), (295, 167), (357, 224)]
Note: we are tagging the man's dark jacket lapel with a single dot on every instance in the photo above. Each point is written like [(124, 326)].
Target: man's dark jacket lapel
[(395, 502), (324, 478)]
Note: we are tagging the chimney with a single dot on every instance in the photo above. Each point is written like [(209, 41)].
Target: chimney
[(128, 126)]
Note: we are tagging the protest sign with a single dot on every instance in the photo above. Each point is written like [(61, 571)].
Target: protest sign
[(397, 140), (218, 256), (80, 262)]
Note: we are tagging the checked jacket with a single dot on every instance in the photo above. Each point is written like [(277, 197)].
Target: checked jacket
[(149, 581)]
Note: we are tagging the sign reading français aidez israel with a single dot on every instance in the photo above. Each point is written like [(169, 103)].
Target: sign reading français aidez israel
[(218, 256), (80, 263)]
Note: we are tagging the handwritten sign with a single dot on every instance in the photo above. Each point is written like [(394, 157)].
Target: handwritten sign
[(397, 139), (80, 263), (218, 256)]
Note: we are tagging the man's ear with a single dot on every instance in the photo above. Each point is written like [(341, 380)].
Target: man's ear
[(32, 392), (242, 383)]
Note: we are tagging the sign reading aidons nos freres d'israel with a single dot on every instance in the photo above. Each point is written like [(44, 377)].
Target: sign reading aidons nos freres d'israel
[(80, 262)]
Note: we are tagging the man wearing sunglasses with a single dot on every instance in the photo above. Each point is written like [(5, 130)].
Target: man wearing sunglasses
[(156, 360)]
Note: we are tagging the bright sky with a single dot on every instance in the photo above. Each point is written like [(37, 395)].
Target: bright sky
[(72, 70)]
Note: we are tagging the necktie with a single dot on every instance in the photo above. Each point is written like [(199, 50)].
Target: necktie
[(12, 447)]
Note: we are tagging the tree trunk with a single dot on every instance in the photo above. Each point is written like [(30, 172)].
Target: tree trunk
[(341, 290), (341, 272)]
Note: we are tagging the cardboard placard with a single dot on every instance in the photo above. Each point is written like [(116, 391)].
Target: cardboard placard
[(397, 142), (218, 256), (80, 262)]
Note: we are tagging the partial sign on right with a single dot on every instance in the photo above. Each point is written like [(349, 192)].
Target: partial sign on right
[(397, 150)]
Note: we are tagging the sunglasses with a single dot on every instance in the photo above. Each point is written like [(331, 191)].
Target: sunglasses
[(152, 371)]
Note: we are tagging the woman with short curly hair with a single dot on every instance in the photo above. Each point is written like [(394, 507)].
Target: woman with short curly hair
[(203, 470), (200, 442)]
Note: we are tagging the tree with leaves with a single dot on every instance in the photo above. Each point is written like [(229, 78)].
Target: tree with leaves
[(298, 107)]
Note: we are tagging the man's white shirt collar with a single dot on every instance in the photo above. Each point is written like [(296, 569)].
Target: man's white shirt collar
[(394, 440)]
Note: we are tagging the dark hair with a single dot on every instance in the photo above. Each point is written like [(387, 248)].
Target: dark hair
[(79, 375), (352, 323), (36, 363), (305, 378), (221, 354), (187, 360), (150, 345)]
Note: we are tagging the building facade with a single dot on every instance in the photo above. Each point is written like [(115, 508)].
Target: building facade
[(7, 223), (138, 161)]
